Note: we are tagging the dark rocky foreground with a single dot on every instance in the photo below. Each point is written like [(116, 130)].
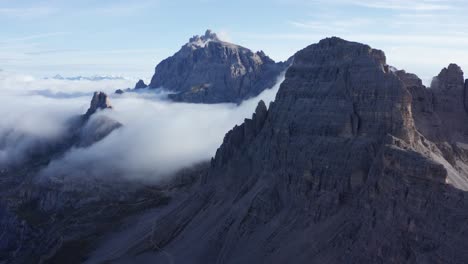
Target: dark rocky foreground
[(45, 220), (354, 162), (208, 70)]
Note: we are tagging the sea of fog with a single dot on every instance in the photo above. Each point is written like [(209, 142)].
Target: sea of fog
[(158, 137)]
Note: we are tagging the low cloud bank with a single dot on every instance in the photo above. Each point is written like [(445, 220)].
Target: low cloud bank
[(36, 112), (158, 137)]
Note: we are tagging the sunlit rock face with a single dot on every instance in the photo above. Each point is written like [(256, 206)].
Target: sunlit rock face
[(209, 70)]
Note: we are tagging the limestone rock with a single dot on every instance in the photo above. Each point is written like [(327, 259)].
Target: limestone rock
[(97, 128), (448, 89), (241, 135), (450, 79), (99, 101), (35, 211), (209, 70), (354, 162), (334, 171), (439, 111)]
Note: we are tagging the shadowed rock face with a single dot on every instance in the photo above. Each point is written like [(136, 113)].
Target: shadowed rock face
[(208, 70), (448, 94), (99, 101), (440, 111), (354, 162), (95, 129), (466, 95), (440, 114), (140, 85), (38, 215), (337, 170)]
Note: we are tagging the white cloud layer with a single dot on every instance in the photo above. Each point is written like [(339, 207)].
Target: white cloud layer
[(158, 137)]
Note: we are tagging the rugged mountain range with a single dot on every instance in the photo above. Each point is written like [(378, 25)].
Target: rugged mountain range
[(354, 162), (209, 70)]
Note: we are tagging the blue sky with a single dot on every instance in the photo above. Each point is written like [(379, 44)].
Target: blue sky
[(46, 37)]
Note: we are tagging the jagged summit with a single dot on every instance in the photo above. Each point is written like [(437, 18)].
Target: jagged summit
[(338, 49), (261, 108), (354, 80), (440, 112), (201, 41), (449, 78), (93, 130), (208, 70), (333, 40), (99, 101)]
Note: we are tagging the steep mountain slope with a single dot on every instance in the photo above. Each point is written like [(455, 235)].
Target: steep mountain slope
[(208, 70), (440, 115), (335, 171), (41, 216)]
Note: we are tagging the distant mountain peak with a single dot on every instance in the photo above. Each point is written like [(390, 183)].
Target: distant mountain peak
[(58, 77), (100, 101), (209, 70)]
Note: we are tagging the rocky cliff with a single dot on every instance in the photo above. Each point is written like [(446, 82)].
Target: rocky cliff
[(38, 216), (209, 70), (341, 168), (93, 130), (439, 114), (99, 101)]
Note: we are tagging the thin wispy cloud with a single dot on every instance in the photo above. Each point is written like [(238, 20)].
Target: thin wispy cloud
[(27, 12), (123, 8), (136, 35), (33, 37), (43, 52), (426, 40), (331, 25), (417, 5)]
